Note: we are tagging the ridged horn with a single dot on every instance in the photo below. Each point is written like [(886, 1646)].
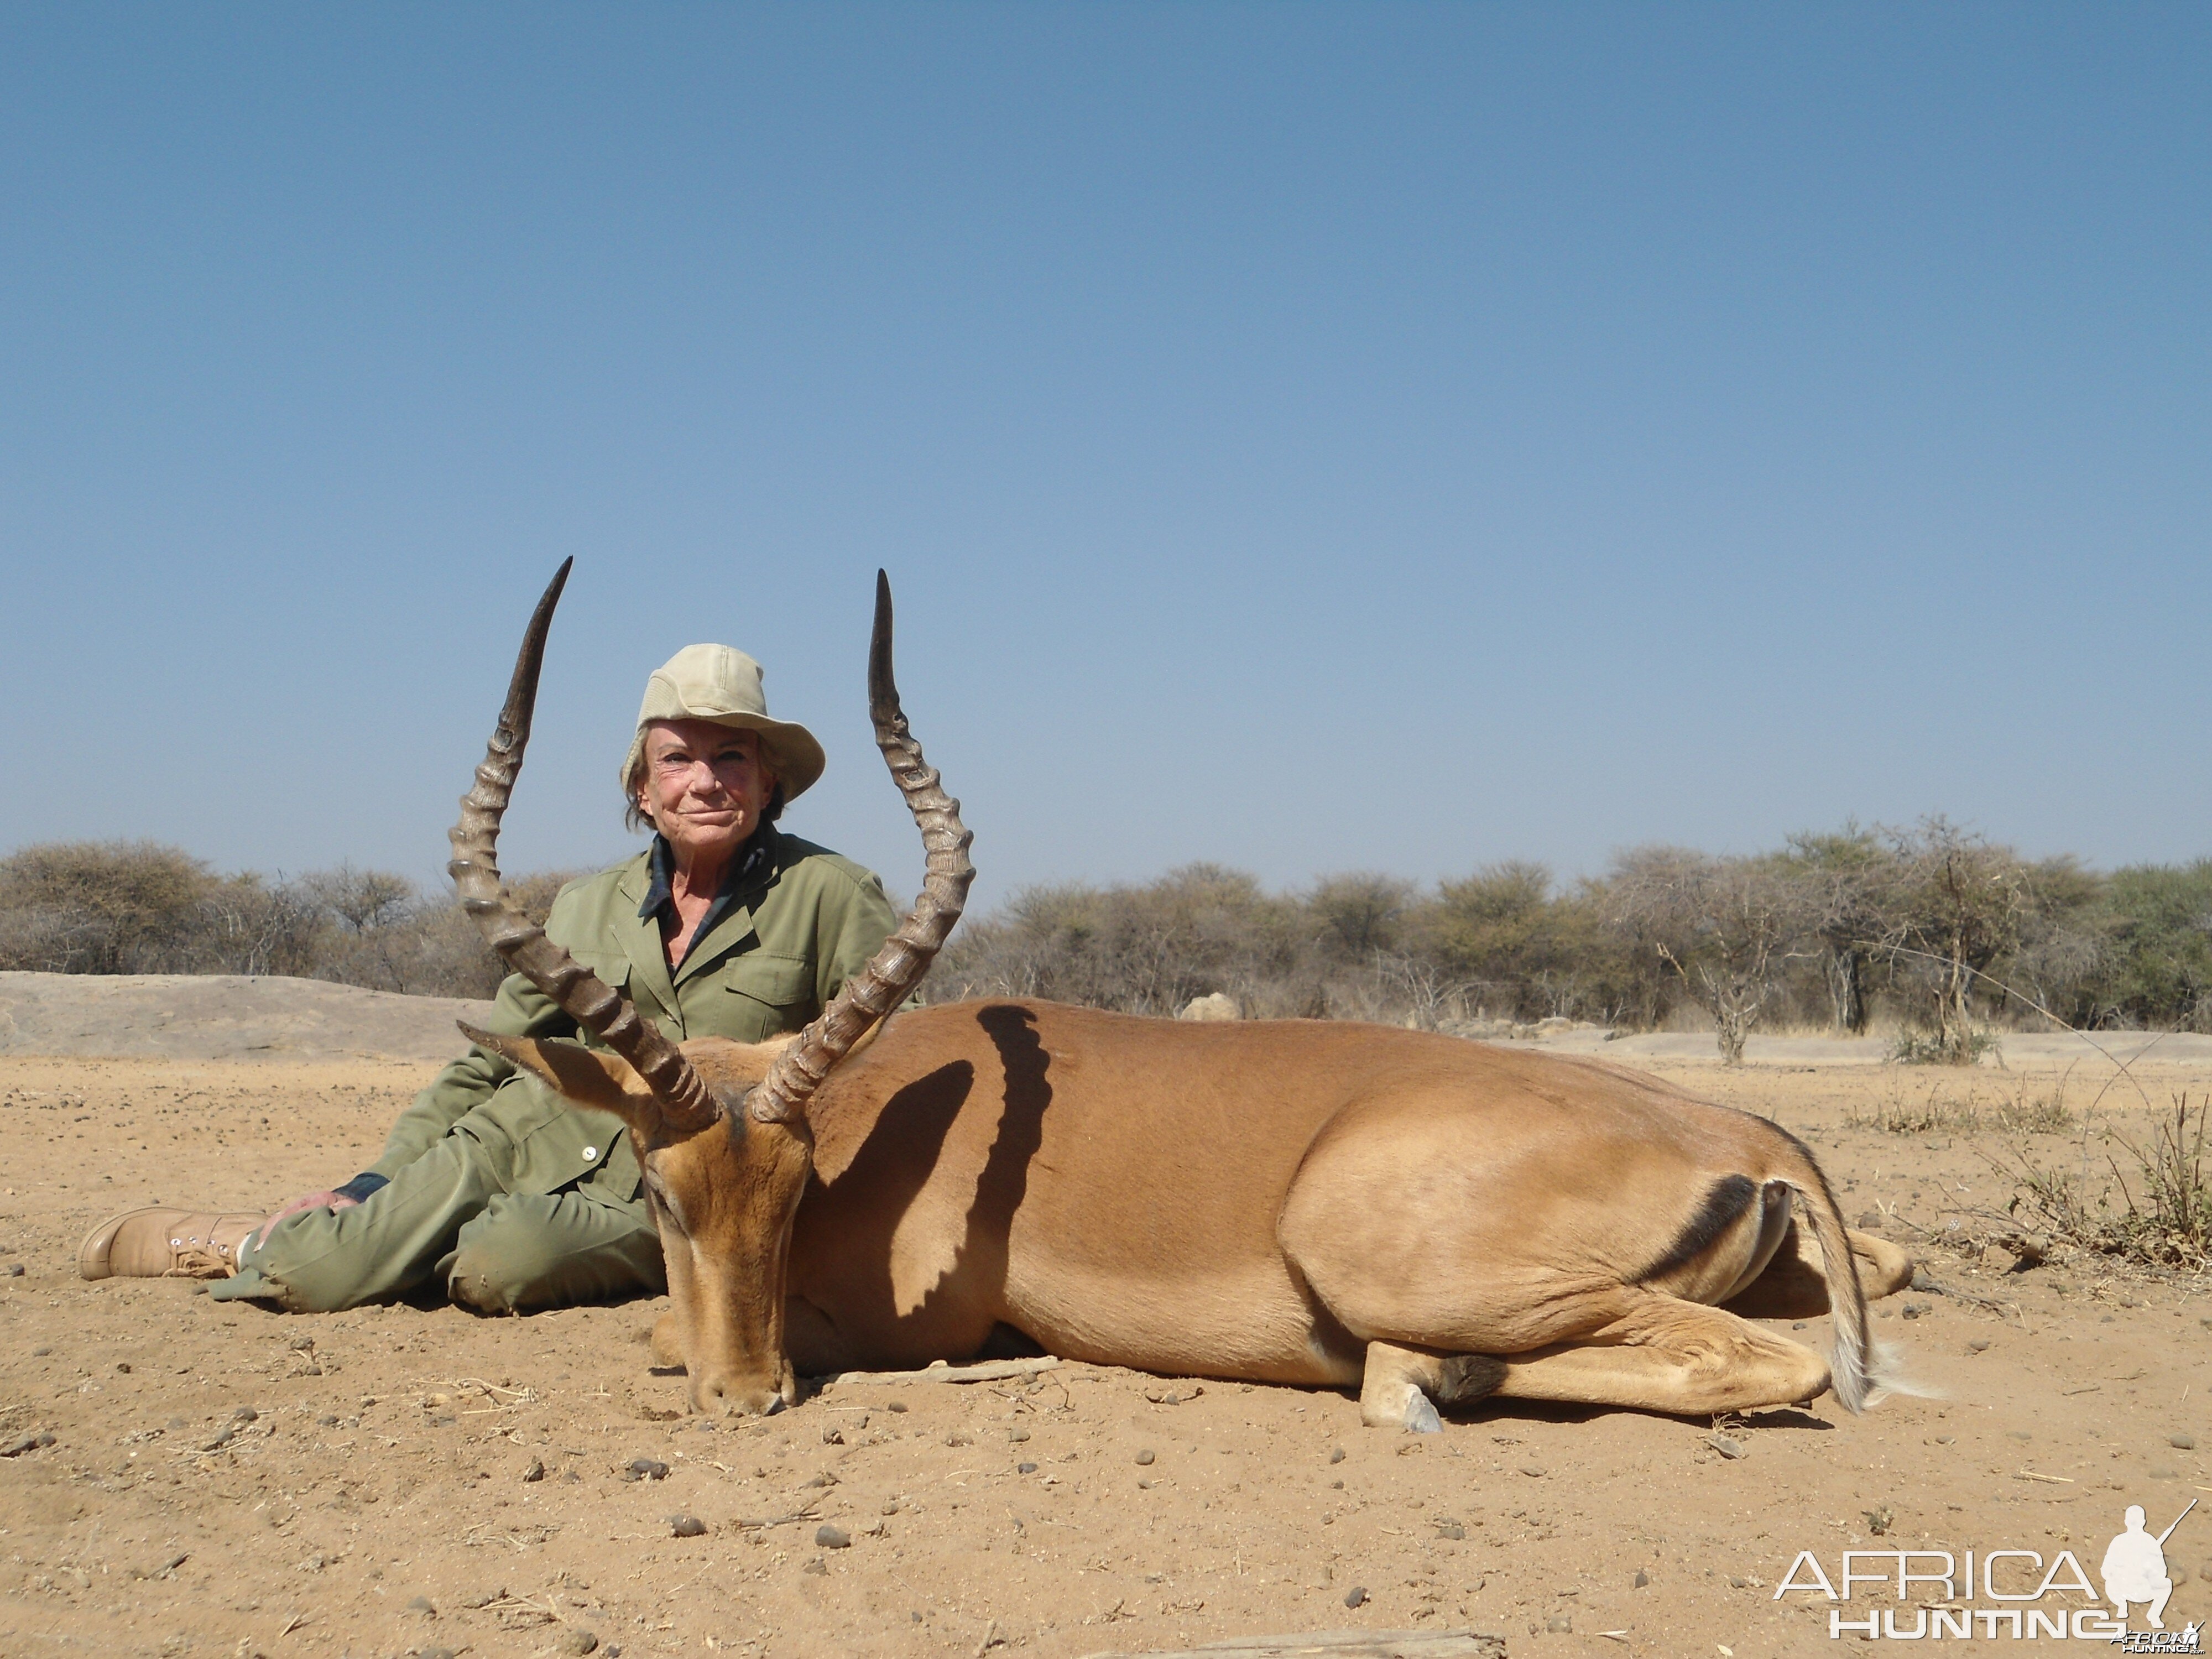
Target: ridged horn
[(896, 969), (685, 1105)]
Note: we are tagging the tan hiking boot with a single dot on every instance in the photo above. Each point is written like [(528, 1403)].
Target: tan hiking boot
[(165, 1243)]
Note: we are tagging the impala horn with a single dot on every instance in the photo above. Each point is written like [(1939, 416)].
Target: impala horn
[(685, 1105), (896, 969)]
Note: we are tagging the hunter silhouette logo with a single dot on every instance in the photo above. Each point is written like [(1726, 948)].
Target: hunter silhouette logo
[(2134, 1567), (2033, 1599)]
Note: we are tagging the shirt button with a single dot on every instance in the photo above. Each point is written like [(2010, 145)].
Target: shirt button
[(590, 1152)]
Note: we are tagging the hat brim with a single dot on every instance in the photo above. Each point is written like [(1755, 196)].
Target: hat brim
[(792, 754)]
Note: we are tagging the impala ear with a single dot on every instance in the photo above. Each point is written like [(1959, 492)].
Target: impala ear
[(597, 1078), (751, 1061), (767, 1050), (860, 1043)]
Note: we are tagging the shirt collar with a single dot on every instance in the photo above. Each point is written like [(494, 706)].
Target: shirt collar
[(660, 861)]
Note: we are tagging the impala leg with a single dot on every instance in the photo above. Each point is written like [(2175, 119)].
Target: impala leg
[(1884, 1269), (1400, 1385), (1674, 1357), (1795, 1286)]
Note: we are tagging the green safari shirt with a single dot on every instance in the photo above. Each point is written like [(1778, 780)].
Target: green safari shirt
[(800, 923)]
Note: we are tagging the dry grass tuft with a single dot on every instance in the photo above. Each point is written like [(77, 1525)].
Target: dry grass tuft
[(2169, 1225), (2025, 1111)]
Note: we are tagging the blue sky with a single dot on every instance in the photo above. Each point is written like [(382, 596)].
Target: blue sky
[(1389, 437)]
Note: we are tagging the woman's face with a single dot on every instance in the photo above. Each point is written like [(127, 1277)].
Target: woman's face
[(705, 788)]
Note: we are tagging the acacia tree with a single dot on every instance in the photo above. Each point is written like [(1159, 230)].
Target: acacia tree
[(1360, 913), (2161, 959), (1954, 908), (1723, 927), (101, 907), (375, 940), (1141, 950), (2060, 965), (1507, 938), (1842, 880), (364, 900), (257, 926)]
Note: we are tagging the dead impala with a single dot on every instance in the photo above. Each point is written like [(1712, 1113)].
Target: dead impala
[(1312, 1202)]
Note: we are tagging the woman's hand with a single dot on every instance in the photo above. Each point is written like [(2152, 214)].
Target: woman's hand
[(312, 1201)]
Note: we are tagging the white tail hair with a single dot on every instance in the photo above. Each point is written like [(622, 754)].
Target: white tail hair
[(1857, 1372), (1887, 1371)]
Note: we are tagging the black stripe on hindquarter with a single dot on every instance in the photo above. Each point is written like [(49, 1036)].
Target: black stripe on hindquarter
[(1725, 1206)]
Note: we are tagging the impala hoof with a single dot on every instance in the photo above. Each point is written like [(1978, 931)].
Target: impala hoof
[(1421, 1416), (714, 1398)]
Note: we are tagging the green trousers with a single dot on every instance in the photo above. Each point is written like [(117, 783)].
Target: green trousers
[(449, 1213)]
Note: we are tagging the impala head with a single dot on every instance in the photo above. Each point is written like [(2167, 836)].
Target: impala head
[(720, 1127), (723, 1195)]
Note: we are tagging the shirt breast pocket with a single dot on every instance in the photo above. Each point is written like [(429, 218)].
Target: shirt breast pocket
[(774, 993), (613, 971)]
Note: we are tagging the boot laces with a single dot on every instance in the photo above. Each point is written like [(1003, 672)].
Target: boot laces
[(199, 1262)]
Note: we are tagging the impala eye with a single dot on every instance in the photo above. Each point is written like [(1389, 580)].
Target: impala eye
[(658, 1190)]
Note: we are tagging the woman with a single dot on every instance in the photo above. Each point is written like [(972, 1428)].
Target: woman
[(725, 926)]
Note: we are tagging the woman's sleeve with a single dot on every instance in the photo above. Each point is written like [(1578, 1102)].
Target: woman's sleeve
[(519, 1010)]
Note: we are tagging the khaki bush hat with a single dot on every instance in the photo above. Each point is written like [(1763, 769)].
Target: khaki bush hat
[(715, 682)]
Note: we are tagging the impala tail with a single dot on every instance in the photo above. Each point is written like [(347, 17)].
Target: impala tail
[(1856, 1366)]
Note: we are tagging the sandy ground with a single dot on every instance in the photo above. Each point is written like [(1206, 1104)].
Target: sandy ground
[(221, 1480)]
